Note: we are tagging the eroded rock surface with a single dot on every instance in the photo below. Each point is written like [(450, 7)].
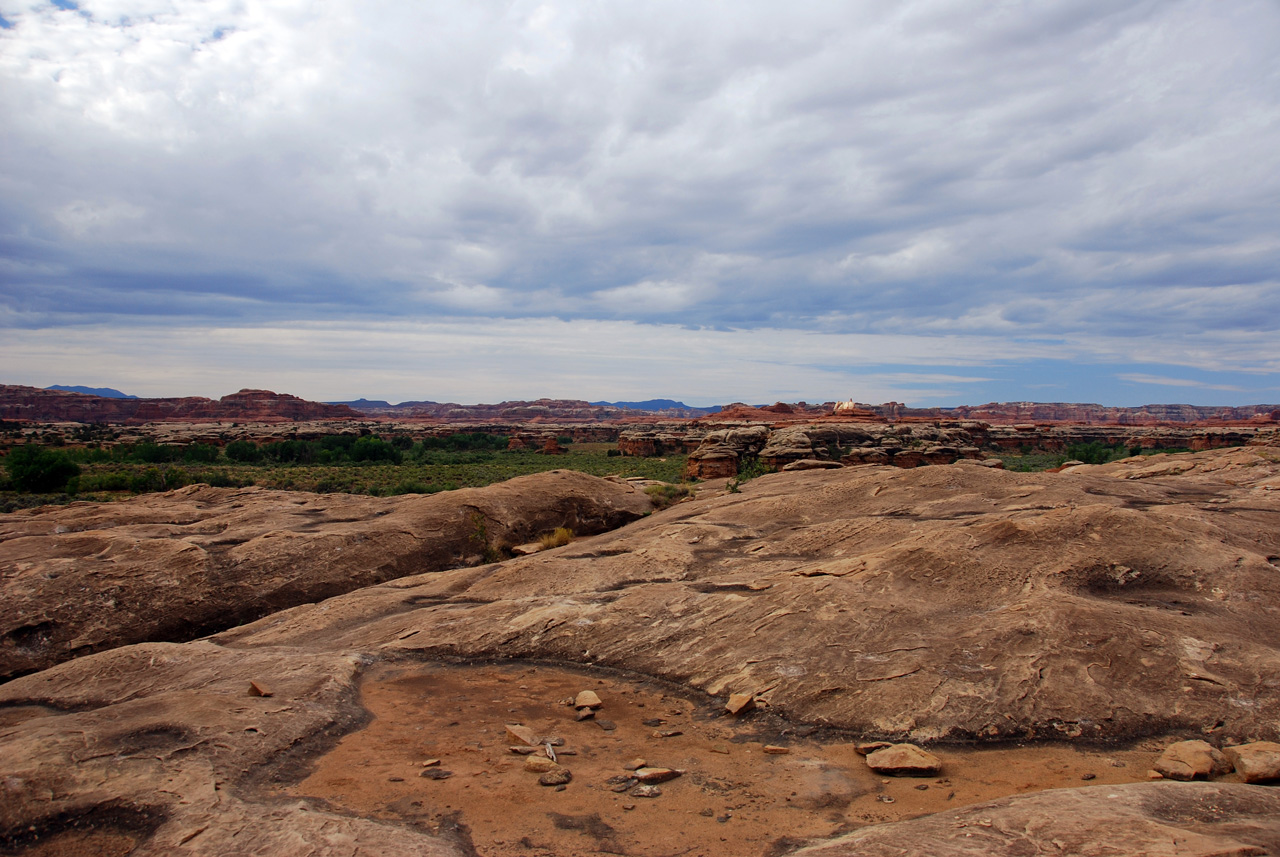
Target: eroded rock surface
[(1155, 820), (87, 577), (939, 602)]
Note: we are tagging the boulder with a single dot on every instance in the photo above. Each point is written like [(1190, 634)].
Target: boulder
[(1258, 762), (1189, 760), (904, 760)]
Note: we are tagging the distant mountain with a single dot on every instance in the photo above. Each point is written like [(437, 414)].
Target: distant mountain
[(104, 392), (364, 404), (657, 405)]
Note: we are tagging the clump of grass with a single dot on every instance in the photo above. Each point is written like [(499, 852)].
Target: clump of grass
[(558, 537), (667, 494)]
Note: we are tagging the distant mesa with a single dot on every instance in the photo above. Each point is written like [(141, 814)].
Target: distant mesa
[(652, 405), (104, 392), (46, 405)]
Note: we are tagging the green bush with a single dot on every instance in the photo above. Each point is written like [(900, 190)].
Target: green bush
[(374, 449), (243, 451), (200, 453), (666, 495), (1094, 452), (38, 470)]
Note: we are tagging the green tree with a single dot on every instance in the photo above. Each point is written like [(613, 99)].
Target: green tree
[(39, 470)]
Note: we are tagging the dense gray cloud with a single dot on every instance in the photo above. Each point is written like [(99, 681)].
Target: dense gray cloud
[(1086, 174)]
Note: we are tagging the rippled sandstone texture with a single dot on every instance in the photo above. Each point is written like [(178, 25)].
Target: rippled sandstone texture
[(92, 576), (1136, 598)]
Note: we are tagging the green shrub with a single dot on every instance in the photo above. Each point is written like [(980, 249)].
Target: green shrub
[(374, 449), (412, 487), (243, 451), (667, 494), (37, 470), (154, 453), (1094, 452), (200, 453)]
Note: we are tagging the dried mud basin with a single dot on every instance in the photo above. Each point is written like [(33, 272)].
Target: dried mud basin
[(732, 798)]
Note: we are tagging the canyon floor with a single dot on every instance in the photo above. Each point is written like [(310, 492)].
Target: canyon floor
[(1046, 635)]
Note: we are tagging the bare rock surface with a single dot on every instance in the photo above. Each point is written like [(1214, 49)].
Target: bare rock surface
[(1151, 820), (948, 602), (87, 577)]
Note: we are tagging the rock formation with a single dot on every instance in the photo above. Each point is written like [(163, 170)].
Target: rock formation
[(1005, 413), (86, 577), (953, 602), (31, 403)]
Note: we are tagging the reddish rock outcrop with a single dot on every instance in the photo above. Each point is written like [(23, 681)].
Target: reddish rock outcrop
[(36, 405)]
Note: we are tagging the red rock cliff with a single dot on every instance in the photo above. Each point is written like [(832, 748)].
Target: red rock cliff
[(32, 403)]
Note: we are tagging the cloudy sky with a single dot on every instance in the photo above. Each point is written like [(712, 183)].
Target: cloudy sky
[(930, 201)]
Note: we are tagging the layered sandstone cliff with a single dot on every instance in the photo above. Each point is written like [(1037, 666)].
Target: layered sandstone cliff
[(37, 405)]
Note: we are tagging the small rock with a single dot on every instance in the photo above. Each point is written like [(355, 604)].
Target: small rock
[(431, 763), (1087, 777), (539, 765), (395, 779), (652, 722), (257, 688), (634, 764), (884, 798), (522, 735), (904, 760), (646, 791), (865, 748), (587, 699), (586, 713), (1258, 762), (739, 702), (708, 813), (722, 749), (1187, 760), (436, 774), (557, 777), (1155, 775), (666, 733), (655, 775), (923, 787), (523, 751), (606, 725), (628, 806), (775, 750)]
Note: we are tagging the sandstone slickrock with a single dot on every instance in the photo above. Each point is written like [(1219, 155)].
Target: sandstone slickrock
[(1258, 762), (1189, 760), (937, 603), (941, 602), (86, 577), (1149, 819)]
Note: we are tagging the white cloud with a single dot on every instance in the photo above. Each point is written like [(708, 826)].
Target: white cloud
[(1064, 171)]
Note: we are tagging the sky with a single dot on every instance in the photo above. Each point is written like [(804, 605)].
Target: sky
[(936, 202)]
